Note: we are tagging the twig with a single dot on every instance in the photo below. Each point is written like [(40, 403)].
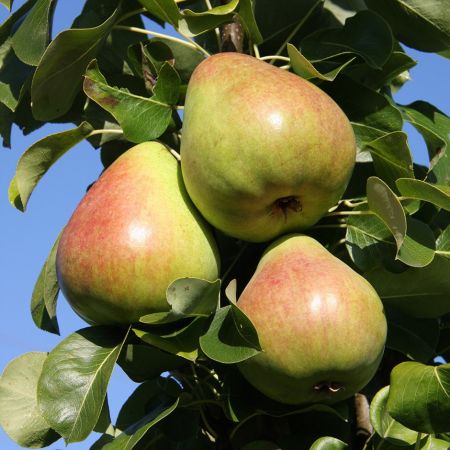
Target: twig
[(363, 429), (104, 131)]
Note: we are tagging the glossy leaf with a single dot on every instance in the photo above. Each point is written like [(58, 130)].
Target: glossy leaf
[(391, 157), (19, 413), (144, 362), (72, 386), (7, 3), (231, 337), (421, 24), (415, 338), (188, 297), (182, 340), (165, 10), (167, 88), (417, 292), (45, 295), (418, 397), (439, 195), (58, 77), (6, 121), (328, 443), (38, 159), (388, 428), (368, 241), (384, 203), (36, 24), (248, 20), (443, 243), (301, 66), (141, 118)]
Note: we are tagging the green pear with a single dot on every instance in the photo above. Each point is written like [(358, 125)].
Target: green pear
[(263, 151), (134, 232), (321, 325)]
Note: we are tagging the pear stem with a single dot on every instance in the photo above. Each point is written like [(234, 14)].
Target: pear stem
[(105, 131), (337, 225), (187, 43), (175, 154), (275, 57), (350, 213), (256, 51), (297, 27)]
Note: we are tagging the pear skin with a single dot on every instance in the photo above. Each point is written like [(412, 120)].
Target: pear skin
[(263, 151), (134, 232), (321, 326)]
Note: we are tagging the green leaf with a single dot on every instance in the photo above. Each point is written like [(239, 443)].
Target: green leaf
[(246, 14), (421, 24), (368, 241), (142, 119), (443, 243), (188, 297), (305, 69), (438, 195), (328, 443), (19, 413), (389, 429), (72, 387), (37, 25), (384, 203), (58, 76), (391, 157), (181, 340), (193, 23), (167, 88), (38, 159), (231, 337), (6, 121), (433, 443), (158, 405), (419, 397), (415, 338), (417, 292), (7, 3), (365, 34), (165, 10), (45, 295), (143, 362)]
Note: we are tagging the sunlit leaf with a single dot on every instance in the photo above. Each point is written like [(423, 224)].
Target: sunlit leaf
[(38, 159), (439, 195), (19, 413), (419, 397), (72, 387)]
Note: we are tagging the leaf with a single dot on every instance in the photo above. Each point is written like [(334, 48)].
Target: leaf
[(19, 414), (194, 23), (368, 241), (6, 121), (384, 203), (417, 292), (58, 76), (188, 297), (415, 338), (433, 443), (7, 3), (142, 119), (36, 24), (438, 195), (72, 387), (167, 88), (231, 337), (45, 295), (165, 10), (38, 159), (328, 443), (156, 405), (389, 429), (419, 397), (246, 14), (443, 242), (143, 362), (181, 341), (391, 157), (305, 69), (421, 24), (365, 34)]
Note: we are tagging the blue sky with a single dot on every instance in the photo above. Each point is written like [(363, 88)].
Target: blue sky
[(26, 239)]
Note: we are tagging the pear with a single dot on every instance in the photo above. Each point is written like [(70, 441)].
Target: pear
[(134, 232), (321, 325), (263, 151)]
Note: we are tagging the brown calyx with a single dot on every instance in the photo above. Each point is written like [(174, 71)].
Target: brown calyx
[(286, 204), (328, 387)]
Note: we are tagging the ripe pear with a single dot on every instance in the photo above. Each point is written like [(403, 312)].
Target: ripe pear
[(134, 232), (263, 151), (321, 325)]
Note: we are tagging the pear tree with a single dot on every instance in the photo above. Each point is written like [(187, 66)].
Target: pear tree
[(262, 256)]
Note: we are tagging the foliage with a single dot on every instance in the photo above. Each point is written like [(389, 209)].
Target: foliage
[(115, 84)]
